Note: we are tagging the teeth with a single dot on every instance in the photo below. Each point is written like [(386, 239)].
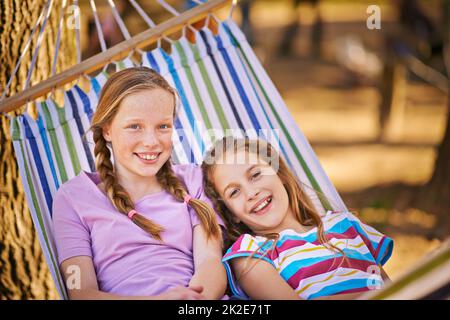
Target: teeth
[(148, 156), (263, 205)]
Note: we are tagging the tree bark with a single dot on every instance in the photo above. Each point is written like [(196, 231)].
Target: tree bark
[(23, 270)]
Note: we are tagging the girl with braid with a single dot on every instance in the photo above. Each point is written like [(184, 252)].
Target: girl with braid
[(139, 227), (274, 233)]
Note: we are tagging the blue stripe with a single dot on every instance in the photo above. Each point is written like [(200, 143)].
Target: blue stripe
[(96, 86), (385, 251), (247, 254), (86, 102), (238, 84), (38, 163), (152, 61), (48, 153), (222, 81), (80, 128), (342, 286), (186, 104), (235, 288)]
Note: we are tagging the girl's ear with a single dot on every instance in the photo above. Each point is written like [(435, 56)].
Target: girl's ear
[(107, 133)]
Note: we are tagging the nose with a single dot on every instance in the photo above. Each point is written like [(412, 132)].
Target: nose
[(150, 138), (252, 192)]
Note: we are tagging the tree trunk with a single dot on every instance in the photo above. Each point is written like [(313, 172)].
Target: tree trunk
[(440, 181), (23, 270), (437, 190)]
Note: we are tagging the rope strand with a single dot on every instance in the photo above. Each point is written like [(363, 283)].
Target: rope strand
[(101, 37), (39, 42)]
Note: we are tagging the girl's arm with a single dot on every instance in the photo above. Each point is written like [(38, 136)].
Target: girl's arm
[(209, 271), (81, 283), (261, 281)]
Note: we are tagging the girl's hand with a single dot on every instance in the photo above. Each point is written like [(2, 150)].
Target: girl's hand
[(183, 293)]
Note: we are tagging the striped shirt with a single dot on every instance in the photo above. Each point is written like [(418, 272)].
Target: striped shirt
[(311, 269)]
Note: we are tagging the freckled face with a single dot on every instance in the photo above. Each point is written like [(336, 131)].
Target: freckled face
[(253, 192), (141, 133)]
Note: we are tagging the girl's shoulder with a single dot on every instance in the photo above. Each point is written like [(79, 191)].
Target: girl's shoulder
[(82, 186), (83, 179), (192, 176), (247, 243), (187, 170), (332, 218)]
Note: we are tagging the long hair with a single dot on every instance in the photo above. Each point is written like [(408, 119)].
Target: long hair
[(116, 88), (300, 204)]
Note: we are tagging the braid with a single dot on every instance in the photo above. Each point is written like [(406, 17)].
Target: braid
[(118, 196), (172, 184)]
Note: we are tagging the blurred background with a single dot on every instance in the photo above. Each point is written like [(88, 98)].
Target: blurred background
[(370, 95)]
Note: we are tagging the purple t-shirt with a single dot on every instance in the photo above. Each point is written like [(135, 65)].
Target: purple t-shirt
[(127, 260)]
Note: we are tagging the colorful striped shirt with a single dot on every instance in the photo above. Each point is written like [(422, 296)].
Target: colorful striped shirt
[(310, 268)]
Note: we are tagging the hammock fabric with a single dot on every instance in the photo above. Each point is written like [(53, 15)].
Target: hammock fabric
[(222, 85)]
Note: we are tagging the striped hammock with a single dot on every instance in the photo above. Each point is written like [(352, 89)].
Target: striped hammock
[(222, 86)]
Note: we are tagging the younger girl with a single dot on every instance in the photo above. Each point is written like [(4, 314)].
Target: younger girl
[(281, 248), (139, 227)]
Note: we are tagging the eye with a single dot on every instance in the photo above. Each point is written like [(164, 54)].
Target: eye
[(134, 126), (256, 174), (164, 126), (233, 193)]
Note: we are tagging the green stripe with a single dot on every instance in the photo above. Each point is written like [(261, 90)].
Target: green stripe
[(69, 140), (212, 93), (55, 144), (15, 135), (305, 167), (41, 224), (121, 65)]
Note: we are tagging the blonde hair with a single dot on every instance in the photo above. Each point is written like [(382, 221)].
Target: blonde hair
[(300, 204), (118, 86)]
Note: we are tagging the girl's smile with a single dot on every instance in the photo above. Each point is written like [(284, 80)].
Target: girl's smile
[(148, 158), (262, 206)]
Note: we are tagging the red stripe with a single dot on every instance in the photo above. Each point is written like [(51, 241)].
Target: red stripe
[(368, 244), (379, 247), (237, 244), (327, 266), (349, 234)]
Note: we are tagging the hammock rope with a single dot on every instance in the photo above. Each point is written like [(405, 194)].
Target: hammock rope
[(100, 35), (119, 20), (58, 37), (37, 49), (77, 30), (143, 14)]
